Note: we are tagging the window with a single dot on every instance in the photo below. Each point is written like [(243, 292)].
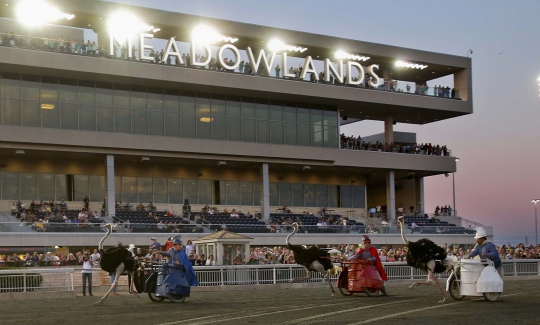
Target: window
[(297, 195), (105, 119), (80, 187), (274, 194), (69, 116), (129, 190), (97, 188), (87, 117), (190, 190), (31, 114), (358, 194), (246, 193), (11, 112), (28, 186), (233, 194), (10, 186), (205, 191), (175, 191), (285, 195), (60, 185), (160, 190), (309, 195), (145, 189), (45, 186)]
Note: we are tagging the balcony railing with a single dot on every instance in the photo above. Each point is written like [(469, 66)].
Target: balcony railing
[(79, 47)]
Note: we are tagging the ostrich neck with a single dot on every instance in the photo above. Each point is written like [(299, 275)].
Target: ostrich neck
[(403, 232), (103, 239), (295, 229)]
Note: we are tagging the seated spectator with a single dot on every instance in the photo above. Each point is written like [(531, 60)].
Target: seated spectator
[(140, 207), (210, 261), (151, 207), (206, 208), (63, 205), (234, 214)]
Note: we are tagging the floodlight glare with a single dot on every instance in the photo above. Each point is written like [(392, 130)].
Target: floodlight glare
[(206, 35), (344, 55), (36, 12), (410, 65), (122, 25), (277, 45)]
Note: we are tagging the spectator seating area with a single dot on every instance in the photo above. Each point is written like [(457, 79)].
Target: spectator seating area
[(435, 226), (309, 222), (139, 221), (239, 224)]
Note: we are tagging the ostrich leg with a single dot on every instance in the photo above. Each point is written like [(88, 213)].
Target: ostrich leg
[(132, 284), (431, 278), (308, 277), (118, 272), (316, 265)]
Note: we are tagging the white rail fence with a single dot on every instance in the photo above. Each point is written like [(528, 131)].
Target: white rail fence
[(32, 280), (66, 279)]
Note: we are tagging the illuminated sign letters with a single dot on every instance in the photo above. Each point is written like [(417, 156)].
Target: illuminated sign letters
[(263, 62)]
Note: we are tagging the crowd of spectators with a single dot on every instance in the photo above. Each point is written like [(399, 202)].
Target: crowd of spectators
[(356, 143), (258, 255), (91, 48)]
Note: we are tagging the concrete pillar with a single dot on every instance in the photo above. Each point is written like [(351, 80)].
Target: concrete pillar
[(422, 202), (463, 84), (388, 129), (390, 196), (265, 193), (111, 194)]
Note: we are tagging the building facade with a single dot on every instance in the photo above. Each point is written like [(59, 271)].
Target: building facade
[(247, 124)]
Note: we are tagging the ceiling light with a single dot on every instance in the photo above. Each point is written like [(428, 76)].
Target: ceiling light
[(222, 162), (47, 106), (306, 167), (19, 152), (145, 159), (206, 119)]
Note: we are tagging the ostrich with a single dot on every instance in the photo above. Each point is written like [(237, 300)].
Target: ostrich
[(312, 258), (426, 256), (116, 260)]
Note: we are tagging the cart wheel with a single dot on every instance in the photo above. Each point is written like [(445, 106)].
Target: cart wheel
[(344, 291), (152, 294), (370, 292), (454, 290), (177, 298), (491, 296)]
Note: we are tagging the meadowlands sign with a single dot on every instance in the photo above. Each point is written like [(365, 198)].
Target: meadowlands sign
[(341, 72)]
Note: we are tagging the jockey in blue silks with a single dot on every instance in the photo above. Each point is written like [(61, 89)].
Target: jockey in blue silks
[(179, 260)]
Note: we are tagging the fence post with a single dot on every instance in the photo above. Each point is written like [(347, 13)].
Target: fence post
[(24, 282), (274, 274), (257, 276), (412, 273), (515, 269), (222, 277)]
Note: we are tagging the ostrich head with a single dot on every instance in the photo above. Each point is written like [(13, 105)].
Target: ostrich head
[(109, 230), (108, 226)]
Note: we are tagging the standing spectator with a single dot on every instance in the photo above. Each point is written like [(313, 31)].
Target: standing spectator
[(86, 202), (155, 245), (169, 244), (278, 69), (95, 258), (87, 274), (190, 248), (413, 227)]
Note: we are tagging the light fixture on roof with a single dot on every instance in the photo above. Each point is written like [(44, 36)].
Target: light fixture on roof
[(206, 35), (206, 119), (145, 158), (19, 152), (344, 55), (306, 167), (36, 12), (410, 65), (123, 25), (276, 45), (222, 162)]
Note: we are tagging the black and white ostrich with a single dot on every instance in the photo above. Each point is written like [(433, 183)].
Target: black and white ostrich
[(116, 260), (312, 258), (428, 257)]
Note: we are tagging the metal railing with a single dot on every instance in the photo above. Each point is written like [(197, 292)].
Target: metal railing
[(62, 279), (32, 280)]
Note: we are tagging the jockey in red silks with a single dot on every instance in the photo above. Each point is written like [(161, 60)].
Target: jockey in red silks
[(369, 253)]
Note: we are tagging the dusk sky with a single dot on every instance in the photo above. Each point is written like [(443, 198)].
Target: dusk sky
[(498, 145)]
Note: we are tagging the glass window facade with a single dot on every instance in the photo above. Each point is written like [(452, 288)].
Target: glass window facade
[(34, 101)]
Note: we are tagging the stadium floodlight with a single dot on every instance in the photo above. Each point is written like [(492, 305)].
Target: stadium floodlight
[(37, 12), (410, 65), (207, 36), (277, 45), (344, 55), (123, 25)]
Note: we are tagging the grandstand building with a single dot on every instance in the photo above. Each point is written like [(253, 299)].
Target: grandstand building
[(229, 115)]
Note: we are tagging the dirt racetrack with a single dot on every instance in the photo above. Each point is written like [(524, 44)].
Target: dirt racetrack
[(519, 304)]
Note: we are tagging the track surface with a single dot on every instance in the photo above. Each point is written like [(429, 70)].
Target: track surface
[(518, 305)]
